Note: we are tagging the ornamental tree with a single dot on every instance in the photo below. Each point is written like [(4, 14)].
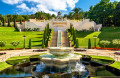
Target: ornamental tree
[(15, 43), (104, 43), (116, 42), (2, 44)]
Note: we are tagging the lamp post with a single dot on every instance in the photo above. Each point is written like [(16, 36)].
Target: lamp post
[(95, 37), (24, 40)]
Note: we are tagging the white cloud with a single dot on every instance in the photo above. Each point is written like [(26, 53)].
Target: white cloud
[(23, 6), (114, 0), (12, 1), (48, 6), (71, 3)]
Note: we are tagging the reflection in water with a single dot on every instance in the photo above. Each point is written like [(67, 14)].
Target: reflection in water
[(16, 72), (45, 76), (41, 70), (40, 67), (71, 71)]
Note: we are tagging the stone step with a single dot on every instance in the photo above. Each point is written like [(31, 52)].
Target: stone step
[(54, 39), (65, 42)]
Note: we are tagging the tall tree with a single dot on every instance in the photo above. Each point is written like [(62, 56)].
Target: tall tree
[(14, 22), (102, 12), (117, 15), (20, 21), (3, 22), (76, 12), (8, 22)]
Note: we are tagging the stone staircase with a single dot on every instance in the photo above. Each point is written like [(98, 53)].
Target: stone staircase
[(54, 39), (65, 42)]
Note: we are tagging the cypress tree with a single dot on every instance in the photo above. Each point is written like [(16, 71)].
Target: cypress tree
[(89, 43), (43, 45), (48, 33), (14, 23), (3, 22), (77, 46), (71, 28), (20, 21), (8, 22), (44, 36), (73, 32), (30, 46), (74, 36)]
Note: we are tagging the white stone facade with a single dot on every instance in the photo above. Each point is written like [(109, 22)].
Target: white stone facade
[(56, 25)]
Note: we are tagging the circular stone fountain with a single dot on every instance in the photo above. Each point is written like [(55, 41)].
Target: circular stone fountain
[(60, 57), (60, 60), (61, 51)]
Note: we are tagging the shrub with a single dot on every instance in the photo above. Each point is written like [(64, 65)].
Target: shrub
[(2, 44), (116, 42), (15, 43), (104, 43), (32, 29)]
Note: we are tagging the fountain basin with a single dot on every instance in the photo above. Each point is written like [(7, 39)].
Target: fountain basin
[(61, 51), (60, 62)]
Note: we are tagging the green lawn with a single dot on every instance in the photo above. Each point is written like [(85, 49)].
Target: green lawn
[(116, 65), (106, 33), (8, 34), (102, 59), (16, 60), (4, 65), (84, 36), (110, 33), (21, 59)]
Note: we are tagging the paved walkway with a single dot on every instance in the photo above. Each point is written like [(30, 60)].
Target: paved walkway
[(12, 53), (54, 39), (96, 52)]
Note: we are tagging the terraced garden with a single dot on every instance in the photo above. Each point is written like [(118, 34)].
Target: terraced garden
[(107, 33), (8, 34)]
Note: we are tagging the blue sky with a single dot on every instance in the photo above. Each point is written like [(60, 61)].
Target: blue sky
[(48, 6)]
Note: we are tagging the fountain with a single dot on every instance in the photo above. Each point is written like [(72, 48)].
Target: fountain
[(61, 59)]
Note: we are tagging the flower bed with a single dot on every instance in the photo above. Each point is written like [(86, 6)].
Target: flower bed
[(118, 53), (10, 49), (2, 53), (100, 48)]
